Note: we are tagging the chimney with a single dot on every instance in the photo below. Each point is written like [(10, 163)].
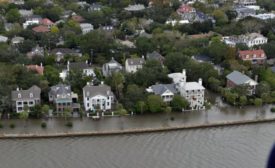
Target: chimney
[(200, 81), (256, 78), (17, 89), (184, 72), (41, 65), (142, 56), (102, 82), (86, 61)]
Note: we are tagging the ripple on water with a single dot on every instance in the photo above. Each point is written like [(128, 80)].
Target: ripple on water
[(244, 146)]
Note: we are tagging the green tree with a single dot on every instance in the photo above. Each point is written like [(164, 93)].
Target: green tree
[(13, 15), (141, 107), (52, 75), (178, 103), (243, 100), (45, 109), (220, 17), (24, 116), (154, 103), (117, 82)]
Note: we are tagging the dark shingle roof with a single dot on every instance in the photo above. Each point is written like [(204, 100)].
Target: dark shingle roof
[(31, 93)]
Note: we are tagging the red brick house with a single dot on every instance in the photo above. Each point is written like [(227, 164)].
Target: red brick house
[(255, 56)]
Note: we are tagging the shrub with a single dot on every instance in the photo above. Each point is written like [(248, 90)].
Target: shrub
[(272, 109), (69, 124), (12, 125), (43, 125)]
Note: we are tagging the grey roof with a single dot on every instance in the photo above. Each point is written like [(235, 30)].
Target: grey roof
[(91, 90), (135, 61), (159, 89), (238, 78), (60, 89), (64, 51), (79, 65), (32, 93), (154, 56)]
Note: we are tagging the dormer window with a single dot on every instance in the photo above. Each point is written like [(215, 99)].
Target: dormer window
[(19, 95), (31, 95)]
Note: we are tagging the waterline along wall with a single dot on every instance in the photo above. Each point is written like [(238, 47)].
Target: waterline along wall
[(134, 131)]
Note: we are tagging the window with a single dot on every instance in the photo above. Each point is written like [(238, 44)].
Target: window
[(31, 103), (25, 103), (31, 95), (19, 103), (88, 104), (87, 98), (19, 95)]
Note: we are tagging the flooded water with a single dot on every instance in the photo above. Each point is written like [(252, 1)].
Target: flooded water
[(244, 146)]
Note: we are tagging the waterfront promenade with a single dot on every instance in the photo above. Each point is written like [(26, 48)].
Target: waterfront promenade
[(215, 116)]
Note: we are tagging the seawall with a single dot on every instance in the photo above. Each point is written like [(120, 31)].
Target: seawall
[(133, 131)]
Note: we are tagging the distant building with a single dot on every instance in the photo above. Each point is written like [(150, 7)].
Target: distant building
[(236, 78), (95, 7), (32, 20), (111, 67), (243, 11), (250, 40), (246, 2), (61, 52), (133, 64), (17, 40), (135, 8), (25, 13), (97, 97), (155, 56), (193, 92), (165, 91), (85, 67), (264, 16), (47, 22), (254, 56), (36, 51), (41, 29), (86, 27), (3, 39), (186, 12), (25, 98), (77, 18), (39, 69), (63, 98)]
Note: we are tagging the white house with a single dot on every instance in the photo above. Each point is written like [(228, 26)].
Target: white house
[(32, 20), (25, 98), (133, 64), (97, 97), (193, 92), (86, 27), (250, 40), (3, 39), (165, 91)]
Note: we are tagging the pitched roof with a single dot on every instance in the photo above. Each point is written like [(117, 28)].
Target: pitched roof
[(60, 89), (135, 61), (79, 65), (154, 56), (31, 93), (63, 51), (91, 91), (41, 29), (38, 69), (46, 22), (159, 89), (238, 78), (250, 54)]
